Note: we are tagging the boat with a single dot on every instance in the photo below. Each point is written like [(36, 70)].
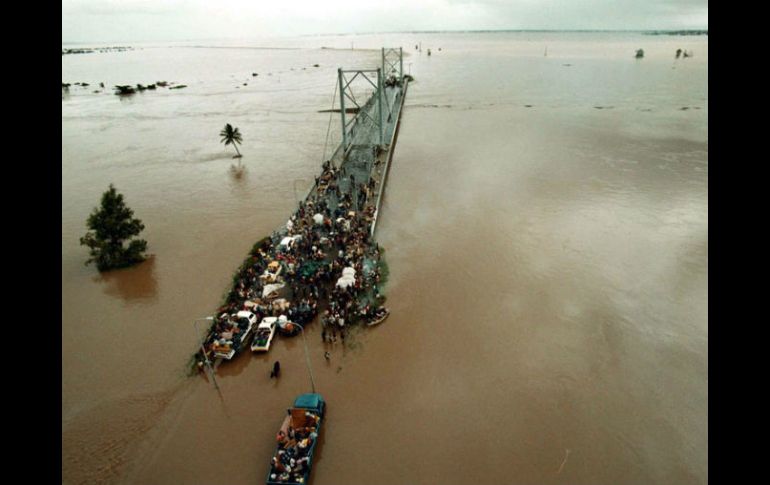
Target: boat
[(264, 335), (287, 328), (379, 317), (297, 439), (230, 342)]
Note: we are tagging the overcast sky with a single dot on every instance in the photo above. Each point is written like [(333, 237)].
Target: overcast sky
[(168, 20)]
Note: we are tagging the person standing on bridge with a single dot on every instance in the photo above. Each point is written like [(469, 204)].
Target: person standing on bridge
[(361, 197)]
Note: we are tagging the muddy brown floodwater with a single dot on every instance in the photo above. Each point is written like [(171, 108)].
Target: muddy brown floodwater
[(548, 265)]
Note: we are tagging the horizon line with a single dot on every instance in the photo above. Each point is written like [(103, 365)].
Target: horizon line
[(444, 31)]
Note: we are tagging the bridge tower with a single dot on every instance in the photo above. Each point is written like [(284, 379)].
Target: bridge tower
[(393, 62), (368, 113)]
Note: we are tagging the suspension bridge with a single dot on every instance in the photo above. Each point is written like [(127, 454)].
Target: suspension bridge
[(368, 127)]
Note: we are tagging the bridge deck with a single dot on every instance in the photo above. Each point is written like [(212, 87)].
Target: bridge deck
[(362, 159)]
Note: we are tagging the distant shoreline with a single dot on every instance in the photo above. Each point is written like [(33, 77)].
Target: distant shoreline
[(92, 50), (487, 31), (502, 31), (676, 32)]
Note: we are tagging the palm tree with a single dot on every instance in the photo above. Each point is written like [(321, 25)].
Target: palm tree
[(231, 135)]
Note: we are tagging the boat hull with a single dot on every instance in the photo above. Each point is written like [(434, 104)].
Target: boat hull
[(379, 320)]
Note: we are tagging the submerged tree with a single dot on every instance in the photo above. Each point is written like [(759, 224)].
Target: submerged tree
[(231, 135), (110, 226)]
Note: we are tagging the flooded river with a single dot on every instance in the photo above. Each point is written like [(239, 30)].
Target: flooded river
[(545, 224)]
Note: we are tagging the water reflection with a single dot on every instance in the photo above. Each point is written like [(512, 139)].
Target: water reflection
[(126, 98), (238, 171), (131, 284), (238, 364)]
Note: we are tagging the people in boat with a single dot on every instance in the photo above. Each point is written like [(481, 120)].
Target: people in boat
[(290, 461)]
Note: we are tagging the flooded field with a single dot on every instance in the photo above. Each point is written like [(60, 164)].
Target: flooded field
[(546, 229)]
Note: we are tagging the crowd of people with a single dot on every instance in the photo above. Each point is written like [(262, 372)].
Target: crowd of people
[(296, 272)]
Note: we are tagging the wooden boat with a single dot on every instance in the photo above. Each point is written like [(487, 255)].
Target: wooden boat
[(264, 335), (379, 318), (297, 440)]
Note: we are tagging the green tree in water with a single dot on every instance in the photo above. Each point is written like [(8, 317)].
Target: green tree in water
[(110, 226), (231, 135)]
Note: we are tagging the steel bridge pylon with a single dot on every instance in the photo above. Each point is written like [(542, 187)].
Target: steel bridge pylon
[(364, 113), (393, 62)]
